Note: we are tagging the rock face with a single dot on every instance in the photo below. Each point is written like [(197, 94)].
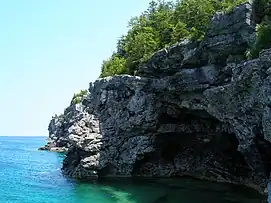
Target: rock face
[(58, 129), (196, 109), (225, 42)]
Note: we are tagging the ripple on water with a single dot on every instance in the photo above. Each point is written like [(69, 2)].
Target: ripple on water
[(32, 176)]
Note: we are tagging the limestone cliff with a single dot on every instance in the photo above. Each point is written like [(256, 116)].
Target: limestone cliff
[(196, 109), (58, 129)]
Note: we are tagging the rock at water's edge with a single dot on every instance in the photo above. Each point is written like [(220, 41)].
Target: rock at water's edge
[(197, 109)]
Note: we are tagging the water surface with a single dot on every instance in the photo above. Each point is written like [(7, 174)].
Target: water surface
[(31, 176)]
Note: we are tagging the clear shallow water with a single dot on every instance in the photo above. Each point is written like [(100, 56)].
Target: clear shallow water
[(31, 176)]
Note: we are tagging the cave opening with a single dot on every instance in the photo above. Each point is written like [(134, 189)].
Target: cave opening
[(192, 142)]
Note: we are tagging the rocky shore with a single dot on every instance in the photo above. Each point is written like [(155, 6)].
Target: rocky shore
[(197, 109)]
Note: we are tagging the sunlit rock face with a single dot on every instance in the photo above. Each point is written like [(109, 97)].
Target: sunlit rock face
[(58, 129), (196, 109)]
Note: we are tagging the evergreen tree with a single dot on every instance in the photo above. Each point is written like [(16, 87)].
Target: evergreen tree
[(162, 24)]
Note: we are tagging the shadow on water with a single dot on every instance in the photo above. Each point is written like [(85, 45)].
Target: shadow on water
[(38, 173), (183, 190), (137, 190)]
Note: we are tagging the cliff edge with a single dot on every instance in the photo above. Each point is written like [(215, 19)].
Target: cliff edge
[(198, 109)]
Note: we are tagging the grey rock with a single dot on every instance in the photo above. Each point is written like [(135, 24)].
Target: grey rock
[(227, 39), (197, 109), (266, 122), (176, 125), (61, 126)]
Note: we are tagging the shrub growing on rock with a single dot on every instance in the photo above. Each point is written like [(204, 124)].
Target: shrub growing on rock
[(115, 65), (78, 96), (164, 23), (263, 39)]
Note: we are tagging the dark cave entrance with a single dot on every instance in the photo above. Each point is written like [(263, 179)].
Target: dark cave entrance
[(189, 142)]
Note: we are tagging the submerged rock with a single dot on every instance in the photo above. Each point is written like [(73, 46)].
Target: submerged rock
[(196, 109)]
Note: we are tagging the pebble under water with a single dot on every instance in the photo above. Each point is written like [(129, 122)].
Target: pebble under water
[(31, 176)]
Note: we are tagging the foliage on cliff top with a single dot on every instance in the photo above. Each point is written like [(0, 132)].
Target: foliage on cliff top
[(262, 10), (164, 23), (263, 39), (76, 99)]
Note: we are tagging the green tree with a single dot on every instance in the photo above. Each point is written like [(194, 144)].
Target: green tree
[(179, 32), (162, 24), (263, 39), (196, 14), (140, 46), (115, 65), (159, 16)]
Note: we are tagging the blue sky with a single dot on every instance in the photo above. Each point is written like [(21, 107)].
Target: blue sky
[(51, 49)]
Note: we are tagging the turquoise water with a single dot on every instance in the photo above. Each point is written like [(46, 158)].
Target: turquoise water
[(31, 176)]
